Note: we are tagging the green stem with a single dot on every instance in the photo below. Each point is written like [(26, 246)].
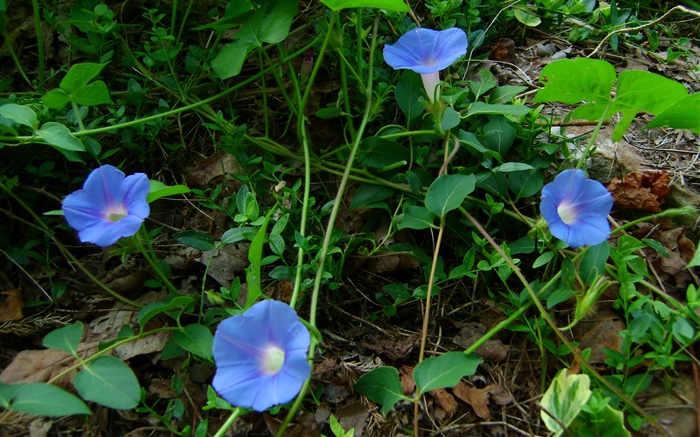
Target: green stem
[(554, 327), (193, 106), (586, 153), (673, 212), (143, 243), (108, 349), (39, 41), (333, 215), (225, 427), (426, 315), (44, 227)]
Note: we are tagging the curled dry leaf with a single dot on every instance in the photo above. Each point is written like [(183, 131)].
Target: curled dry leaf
[(493, 350), (11, 306), (445, 401), (407, 382), (645, 190), (478, 398)]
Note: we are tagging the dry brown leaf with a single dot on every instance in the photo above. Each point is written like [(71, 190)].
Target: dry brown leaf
[(504, 49), (477, 398), (499, 394), (445, 401), (640, 190), (680, 250), (212, 167), (407, 382), (37, 366), (11, 306), (598, 331), (492, 350), (354, 416)]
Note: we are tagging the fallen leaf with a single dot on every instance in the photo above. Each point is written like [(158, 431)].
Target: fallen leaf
[(600, 331), (408, 384), (212, 167), (499, 394), (11, 306), (478, 399), (445, 401), (354, 416), (492, 350), (645, 191), (504, 49)]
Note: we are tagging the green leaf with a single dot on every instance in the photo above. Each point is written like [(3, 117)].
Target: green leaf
[(255, 252), (450, 119), (574, 80), (415, 217), (389, 5), (486, 108), (506, 93), (377, 152), (641, 91), (56, 99), (684, 114), (241, 233), (593, 262), (196, 339), (527, 18), (445, 370), (76, 86), (41, 399), (448, 192), (498, 134), (93, 94), (485, 83), (229, 61), (695, 261), (269, 24), (382, 386), (19, 114), (80, 75), (564, 399), (512, 166), (59, 136), (408, 92), (197, 239), (66, 338), (109, 382), (525, 183), (158, 190), (153, 309), (236, 14), (367, 194)]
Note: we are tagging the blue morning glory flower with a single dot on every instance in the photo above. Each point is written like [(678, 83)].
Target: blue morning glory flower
[(110, 206), (576, 209), (261, 356), (427, 51)]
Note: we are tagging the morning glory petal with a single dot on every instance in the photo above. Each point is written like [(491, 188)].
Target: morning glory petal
[(587, 204), (110, 206), (241, 344), (426, 50)]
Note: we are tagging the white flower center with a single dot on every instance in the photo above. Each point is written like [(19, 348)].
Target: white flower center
[(567, 213), (114, 213), (272, 360)]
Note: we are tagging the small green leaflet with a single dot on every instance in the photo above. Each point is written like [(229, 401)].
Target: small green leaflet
[(448, 192), (382, 386), (445, 370)]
